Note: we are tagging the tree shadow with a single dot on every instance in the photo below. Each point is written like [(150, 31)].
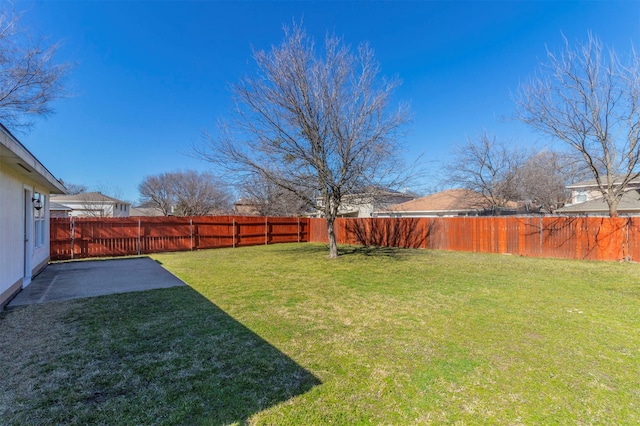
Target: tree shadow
[(597, 238), (372, 251), (387, 232), (167, 356)]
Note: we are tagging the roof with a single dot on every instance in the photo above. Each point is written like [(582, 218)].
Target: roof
[(85, 197), (629, 203), (451, 200), (246, 202), (16, 157), (373, 192), (590, 183), (377, 190), (58, 207)]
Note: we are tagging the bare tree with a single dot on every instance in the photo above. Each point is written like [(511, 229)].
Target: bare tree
[(489, 167), (588, 98), (75, 188), (199, 194), (317, 125), (544, 177), (185, 193), (156, 191), (270, 199), (29, 78)]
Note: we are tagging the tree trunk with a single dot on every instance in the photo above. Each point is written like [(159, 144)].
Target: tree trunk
[(333, 245)]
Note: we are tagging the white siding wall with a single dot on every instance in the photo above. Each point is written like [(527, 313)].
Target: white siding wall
[(582, 195), (96, 209), (11, 243), (12, 211)]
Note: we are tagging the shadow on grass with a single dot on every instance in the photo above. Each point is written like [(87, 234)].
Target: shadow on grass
[(343, 250), (373, 251), (166, 356)]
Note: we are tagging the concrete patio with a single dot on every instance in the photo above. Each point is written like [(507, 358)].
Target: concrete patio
[(89, 278)]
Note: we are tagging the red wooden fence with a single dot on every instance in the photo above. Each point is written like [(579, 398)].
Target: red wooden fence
[(595, 238), (562, 237), (73, 238)]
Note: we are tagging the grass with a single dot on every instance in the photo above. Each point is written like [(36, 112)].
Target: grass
[(283, 335)]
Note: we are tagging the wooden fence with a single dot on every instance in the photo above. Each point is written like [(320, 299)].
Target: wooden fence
[(561, 237), (595, 238), (74, 238)]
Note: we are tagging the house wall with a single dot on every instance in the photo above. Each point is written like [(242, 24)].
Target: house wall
[(59, 213), (96, 209), (121, 210), (246, 210), (366, 206), (12, 247), (583, 195), (578, 195)]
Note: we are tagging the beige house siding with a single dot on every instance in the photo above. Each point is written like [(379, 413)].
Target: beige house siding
[(24, 241)]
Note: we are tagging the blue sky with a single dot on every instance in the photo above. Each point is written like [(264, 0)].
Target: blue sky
[(151, 76)]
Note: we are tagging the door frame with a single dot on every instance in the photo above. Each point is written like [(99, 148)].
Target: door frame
[(27, 227)]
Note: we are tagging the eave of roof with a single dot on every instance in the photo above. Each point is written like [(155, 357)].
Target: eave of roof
[(16, 157)]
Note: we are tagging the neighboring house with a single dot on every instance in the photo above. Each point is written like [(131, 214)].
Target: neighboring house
[(93, 204), (587, 190), (58, 210), (366, 202), (586, 199), (629, 205), (145, 211), (452, 202), (246, 207), (25, 188)]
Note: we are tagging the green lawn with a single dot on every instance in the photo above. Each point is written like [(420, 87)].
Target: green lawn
[(283, 335)]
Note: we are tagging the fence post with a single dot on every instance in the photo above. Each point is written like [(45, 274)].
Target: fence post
[(266, 230), (298, 228), (540, 235), (139, 238), (626, 246), (191, 233), (73, 235), (233, 231)]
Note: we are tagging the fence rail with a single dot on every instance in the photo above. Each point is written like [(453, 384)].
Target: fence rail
[(74, 238), (594, 238)]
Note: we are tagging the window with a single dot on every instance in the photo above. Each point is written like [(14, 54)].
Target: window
[(581, 196), (39, 219)]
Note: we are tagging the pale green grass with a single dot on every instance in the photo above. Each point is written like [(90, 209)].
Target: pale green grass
[(283, 335)]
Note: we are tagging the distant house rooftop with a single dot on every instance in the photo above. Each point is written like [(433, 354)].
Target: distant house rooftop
[(592, 183), (452, 202), (87, 196)]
